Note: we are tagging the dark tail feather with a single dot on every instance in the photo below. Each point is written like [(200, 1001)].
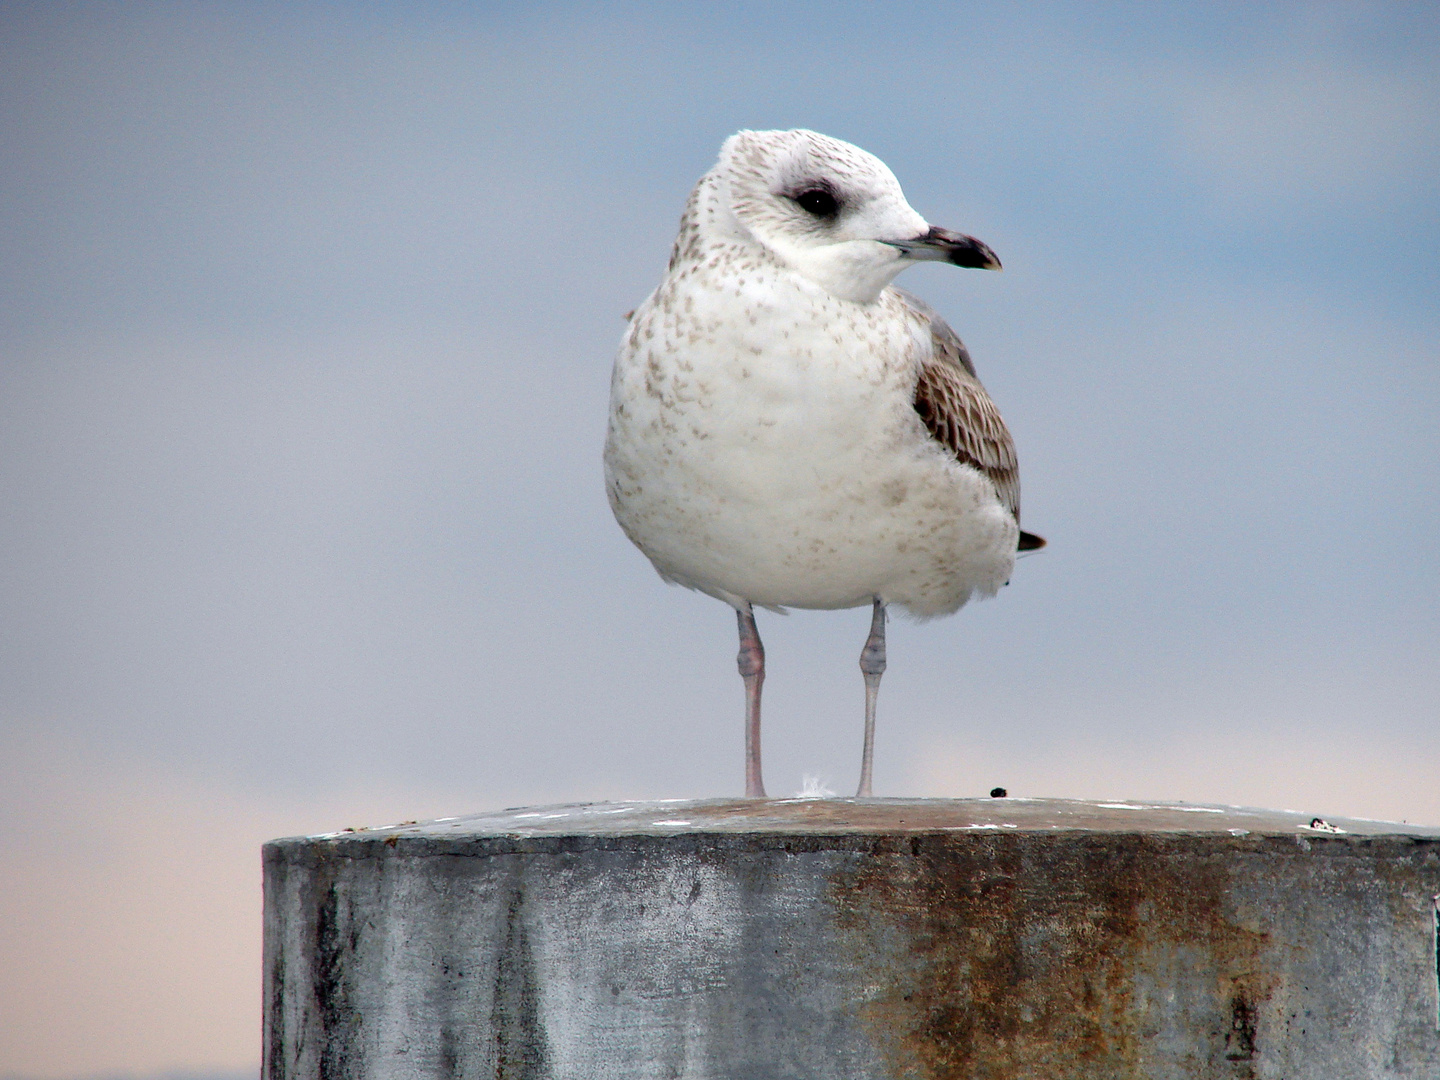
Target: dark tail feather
[(1030, 542)]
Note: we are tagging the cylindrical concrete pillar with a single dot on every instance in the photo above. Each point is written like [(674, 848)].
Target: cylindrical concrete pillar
[(842, 939)]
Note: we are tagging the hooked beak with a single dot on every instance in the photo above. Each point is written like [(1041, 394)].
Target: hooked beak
[(942, 245)]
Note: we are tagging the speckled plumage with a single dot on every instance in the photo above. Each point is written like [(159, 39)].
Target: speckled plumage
[(765, 443)]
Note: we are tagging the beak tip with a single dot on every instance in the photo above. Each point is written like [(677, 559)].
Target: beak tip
[(975, 258), (987, 260)]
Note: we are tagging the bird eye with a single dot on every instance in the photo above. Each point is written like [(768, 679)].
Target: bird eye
[(819, 202)]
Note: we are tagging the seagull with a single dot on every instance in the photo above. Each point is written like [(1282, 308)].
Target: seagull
[(789, 429)]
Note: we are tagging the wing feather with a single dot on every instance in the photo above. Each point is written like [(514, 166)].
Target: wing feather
[(959, 413)]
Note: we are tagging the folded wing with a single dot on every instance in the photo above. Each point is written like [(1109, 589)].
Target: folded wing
[(960, 415)]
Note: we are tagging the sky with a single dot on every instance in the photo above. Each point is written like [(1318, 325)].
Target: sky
[(306, 320)]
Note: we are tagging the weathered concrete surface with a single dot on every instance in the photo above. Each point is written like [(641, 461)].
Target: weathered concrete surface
[(842, 938)]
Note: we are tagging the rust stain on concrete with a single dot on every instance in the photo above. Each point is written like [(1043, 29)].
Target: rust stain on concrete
[(1026, 957)]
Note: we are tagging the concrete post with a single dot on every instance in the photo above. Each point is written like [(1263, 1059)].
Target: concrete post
[(840, 939)]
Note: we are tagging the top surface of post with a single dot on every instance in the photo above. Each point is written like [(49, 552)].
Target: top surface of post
[(873, 817)]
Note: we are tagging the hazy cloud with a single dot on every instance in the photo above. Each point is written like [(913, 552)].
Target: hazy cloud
[(1304, 136)]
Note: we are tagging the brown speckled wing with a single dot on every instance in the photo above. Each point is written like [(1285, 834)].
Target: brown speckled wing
[(959, 414)]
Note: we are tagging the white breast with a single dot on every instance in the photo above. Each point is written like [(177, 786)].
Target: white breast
[(763, 447)]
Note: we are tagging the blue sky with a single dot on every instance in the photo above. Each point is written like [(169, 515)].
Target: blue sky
[(306, 319)]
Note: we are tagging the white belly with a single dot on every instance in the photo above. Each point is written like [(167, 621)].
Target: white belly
[(774, 461)]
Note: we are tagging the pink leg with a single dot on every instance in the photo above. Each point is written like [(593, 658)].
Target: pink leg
[(872, 666), (752, 670)]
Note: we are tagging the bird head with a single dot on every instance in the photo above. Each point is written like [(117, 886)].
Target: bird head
[(830, 211)]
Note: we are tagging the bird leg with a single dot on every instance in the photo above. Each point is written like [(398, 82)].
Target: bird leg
[(872, 666), (752, 669)]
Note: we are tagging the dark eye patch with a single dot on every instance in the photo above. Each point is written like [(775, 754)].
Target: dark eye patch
[(819, 201)]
